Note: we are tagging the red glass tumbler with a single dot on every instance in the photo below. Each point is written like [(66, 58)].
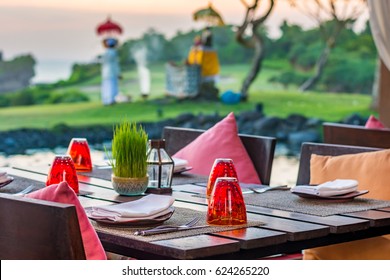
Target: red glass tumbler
[(61, 170), (226, 206), (222, 167), (79, 152)]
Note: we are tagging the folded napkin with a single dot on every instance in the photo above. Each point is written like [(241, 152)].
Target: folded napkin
[(180, 164), (4, 177), (327, 189), (148, 207)]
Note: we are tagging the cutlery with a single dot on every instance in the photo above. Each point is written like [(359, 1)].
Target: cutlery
[(186, 225), (262, 190), (25, 191), (167, 228)]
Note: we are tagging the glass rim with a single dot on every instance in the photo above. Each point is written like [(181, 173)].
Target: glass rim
[(79, 139), (230, 179), (61, 156), (223, 160)]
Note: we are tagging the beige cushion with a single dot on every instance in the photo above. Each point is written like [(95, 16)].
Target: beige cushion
[(372, 171)]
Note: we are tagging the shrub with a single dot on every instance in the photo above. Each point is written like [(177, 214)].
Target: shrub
[(71, 96)]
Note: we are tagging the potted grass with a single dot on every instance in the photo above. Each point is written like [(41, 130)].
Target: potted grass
[(129, 167)]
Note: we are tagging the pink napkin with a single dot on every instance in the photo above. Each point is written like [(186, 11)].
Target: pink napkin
[(62, 193)]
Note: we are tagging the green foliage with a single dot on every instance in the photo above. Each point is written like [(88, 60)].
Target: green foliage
[(21, 99), (355, 75), (288, 78), (83, 72), (351, 65), (129, 150), (41, 95), (4, 101), (70, 96)]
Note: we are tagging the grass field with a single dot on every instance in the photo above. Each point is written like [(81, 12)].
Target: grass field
[(276, 101)]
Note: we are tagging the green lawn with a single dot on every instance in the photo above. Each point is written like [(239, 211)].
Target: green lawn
[(277, 102)]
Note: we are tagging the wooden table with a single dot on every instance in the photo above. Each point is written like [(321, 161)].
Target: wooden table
[(283, 232)]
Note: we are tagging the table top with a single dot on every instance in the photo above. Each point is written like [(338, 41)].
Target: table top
[(280, 232)]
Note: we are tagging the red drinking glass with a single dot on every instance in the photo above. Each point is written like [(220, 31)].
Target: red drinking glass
[(222, 167), (226, 205), (61, 170), (79, 152)]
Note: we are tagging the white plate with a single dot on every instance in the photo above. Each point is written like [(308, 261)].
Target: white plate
[(346, 196)]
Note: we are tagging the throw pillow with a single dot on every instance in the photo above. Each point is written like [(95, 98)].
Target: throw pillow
[(220, 141), (371, 170), (62, 193), (374, 123)]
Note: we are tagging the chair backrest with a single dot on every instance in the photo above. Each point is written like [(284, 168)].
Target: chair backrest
[(307, 149), (260, 149), (36, 229), (355, 135)]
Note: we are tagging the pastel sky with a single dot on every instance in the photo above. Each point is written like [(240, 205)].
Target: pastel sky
[(53, 29), (65, 30)]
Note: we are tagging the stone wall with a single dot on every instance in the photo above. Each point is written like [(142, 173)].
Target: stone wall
[(290, 131)]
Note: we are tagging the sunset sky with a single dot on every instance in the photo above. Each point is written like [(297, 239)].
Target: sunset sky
[(58, 30)]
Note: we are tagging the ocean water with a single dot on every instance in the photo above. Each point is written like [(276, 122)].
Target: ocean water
[(50, 71)]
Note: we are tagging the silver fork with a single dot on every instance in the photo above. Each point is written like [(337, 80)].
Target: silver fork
[(167, 228), (262, 190), (189, 224), (25, 191)]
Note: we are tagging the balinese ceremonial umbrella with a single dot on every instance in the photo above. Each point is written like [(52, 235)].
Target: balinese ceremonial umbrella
[(108, 27), (209, 15)]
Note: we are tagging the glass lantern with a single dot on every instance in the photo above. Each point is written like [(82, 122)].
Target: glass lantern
[(160, 168)]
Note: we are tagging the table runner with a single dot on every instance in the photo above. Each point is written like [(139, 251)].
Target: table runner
[(180, 216), (285, 200), (20, 183), (178, 179)]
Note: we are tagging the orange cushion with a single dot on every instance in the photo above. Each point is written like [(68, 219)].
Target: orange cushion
[(372, 171), (220, 141)]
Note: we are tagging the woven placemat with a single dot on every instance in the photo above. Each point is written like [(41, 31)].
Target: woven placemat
[(20, 183), (178, 179), (285, 200), (180, 216), (99, 173)]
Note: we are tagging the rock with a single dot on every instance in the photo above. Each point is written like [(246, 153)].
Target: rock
[(295, 122), (183, 118), (267, 126), (355, 119), (290, 132), (295, 139)]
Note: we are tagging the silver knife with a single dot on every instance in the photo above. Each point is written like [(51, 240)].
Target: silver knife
[(164, 230)]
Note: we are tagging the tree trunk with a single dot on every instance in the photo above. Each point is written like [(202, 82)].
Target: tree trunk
[(256, 65), (310, 83)]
